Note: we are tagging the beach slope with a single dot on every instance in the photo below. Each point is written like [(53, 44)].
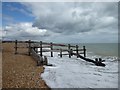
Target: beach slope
[(20, 71)]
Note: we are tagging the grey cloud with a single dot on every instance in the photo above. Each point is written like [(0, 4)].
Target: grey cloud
[(77, 22), (74, 17), (24, 31)]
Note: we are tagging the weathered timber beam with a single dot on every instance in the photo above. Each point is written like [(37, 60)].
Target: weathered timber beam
[(68, 54), (90, 60), (55, 44), (37, 57)]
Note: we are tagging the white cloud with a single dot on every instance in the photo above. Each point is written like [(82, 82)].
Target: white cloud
[(23, 31)]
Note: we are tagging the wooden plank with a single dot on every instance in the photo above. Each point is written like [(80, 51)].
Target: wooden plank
[(51, 46), (98, 63), (29, 47), (45, 62), (34, 55), (8, 41), (37, 57), (68, 54), (81, 53), (55, 44), (15, 46), (77, 50), (84, 51), (41, 48), (69, 50), (26, 41), (59, 50), (54, 50), (61, 53), (18, 42)]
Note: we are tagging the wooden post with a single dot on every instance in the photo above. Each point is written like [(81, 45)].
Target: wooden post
[(45, 62), (69, 50), (51, 46), (77, 50), (29, 49), (41, 48), (84, 51), (100, 59), (40, 61), (34, 49), (61, 53), (15, 46)]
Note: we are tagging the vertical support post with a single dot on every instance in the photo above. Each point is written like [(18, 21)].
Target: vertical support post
[(15, 46), (69, 50), (34, 49), (45, 62), (51, 46), (29, 49), (41, 48), (77, 50), (84, 51), (61, 53)]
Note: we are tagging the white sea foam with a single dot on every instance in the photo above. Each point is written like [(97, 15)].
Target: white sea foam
[(77, 73)]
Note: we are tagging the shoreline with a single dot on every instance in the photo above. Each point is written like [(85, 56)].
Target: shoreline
[(20, 71)]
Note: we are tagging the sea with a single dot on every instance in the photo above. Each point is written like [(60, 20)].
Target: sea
[(108, 51), (103, 49)]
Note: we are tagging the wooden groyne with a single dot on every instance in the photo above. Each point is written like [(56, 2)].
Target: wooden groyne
[(49, 47), (97, 62)]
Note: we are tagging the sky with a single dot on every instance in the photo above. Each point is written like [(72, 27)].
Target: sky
[(66, 22)]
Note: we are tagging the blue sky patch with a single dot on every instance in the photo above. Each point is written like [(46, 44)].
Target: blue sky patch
[(14, 13)]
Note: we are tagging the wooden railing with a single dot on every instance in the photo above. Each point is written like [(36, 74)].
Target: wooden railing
[(49, 47)]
